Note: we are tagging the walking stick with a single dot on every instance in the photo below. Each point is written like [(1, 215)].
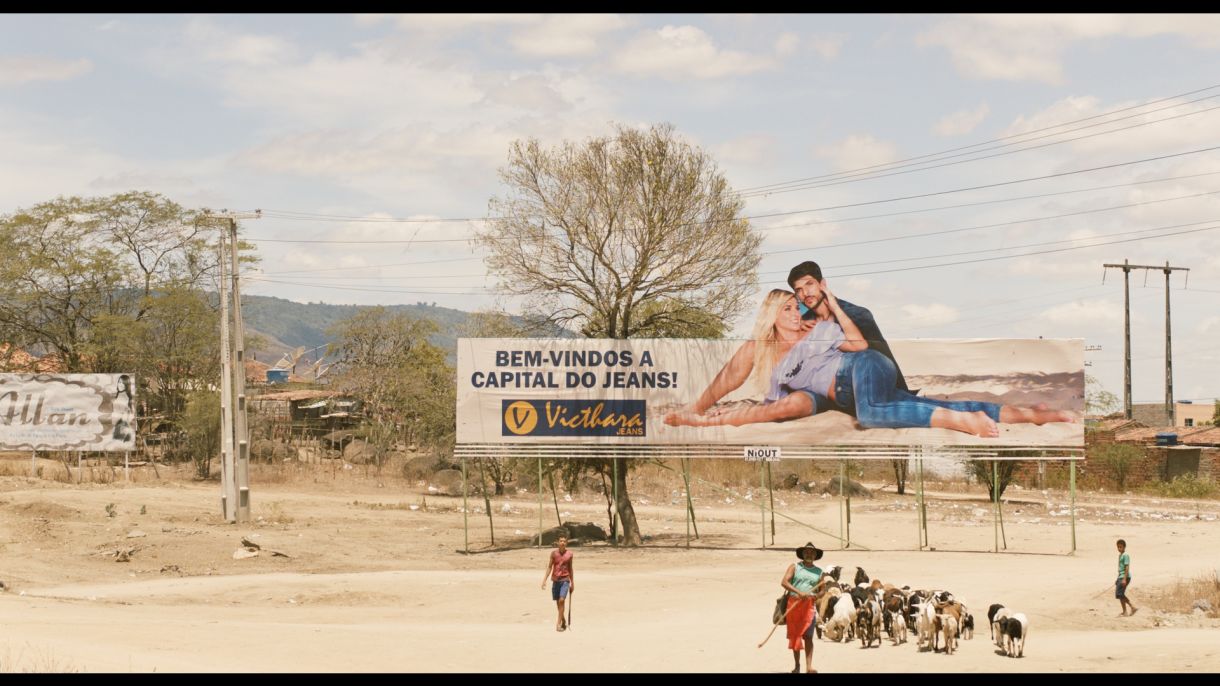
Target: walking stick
[(1107, 588), (570, 594), (776, 626)]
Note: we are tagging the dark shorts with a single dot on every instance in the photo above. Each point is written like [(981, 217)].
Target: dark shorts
[(1120, 588), (559, 589)]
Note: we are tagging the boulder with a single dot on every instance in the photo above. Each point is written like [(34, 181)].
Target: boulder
[(449, 482), (850, 488), (577, 534), (417, 468), (358, 452)]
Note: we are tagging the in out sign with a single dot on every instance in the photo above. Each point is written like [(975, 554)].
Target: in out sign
[(770, 454)]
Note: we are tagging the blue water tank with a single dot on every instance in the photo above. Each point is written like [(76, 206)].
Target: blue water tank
[(1166, 439), (277, 376)]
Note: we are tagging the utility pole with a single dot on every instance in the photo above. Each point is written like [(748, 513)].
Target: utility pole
[(1126, 266), (235, 437)]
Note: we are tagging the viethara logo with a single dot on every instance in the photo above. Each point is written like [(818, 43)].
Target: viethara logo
[(573, 418)]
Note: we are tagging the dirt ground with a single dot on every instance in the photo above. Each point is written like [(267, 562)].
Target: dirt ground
[(373, 578)]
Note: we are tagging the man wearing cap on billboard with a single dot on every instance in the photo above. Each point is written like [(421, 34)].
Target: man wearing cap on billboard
[(806, 281)]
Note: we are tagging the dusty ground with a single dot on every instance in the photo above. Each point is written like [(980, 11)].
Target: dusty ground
[(371, 584)]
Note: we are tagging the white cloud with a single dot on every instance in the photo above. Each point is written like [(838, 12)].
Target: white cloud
[(931, 315), (679, 52), (527, 91), (857, 151), (15, 71), (787, 43), (459, 22), (748, 149), (1029, 47), (220, 44), (961, 122), (1084, 312), (984, 52), (828, 47), (565, 35)]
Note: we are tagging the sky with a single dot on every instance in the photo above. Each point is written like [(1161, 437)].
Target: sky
[(1039, 147)]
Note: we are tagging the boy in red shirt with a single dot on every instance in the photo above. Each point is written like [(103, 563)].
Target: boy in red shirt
[(559, 569)]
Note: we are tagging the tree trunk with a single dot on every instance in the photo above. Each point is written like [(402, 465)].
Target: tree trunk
[(631, 528), (900, 474)]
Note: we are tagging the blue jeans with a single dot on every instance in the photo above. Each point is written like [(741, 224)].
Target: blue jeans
[(864, 386)]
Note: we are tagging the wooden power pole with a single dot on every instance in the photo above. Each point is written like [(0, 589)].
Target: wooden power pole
[(1126, 266)]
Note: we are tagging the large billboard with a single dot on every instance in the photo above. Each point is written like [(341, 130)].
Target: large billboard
[(974, 392), (67, 412)]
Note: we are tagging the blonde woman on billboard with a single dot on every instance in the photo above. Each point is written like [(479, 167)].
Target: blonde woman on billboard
[(800, 370)]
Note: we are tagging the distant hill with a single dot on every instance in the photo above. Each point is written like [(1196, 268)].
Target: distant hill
[(287, 325)]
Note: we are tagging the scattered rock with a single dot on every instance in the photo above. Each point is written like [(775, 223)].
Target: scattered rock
[(171, 569), (1201, 604), (136, 533), (577, 533), (244, 553), (124, 554)]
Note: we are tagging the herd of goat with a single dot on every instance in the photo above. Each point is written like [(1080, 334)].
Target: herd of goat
[(867, 607)]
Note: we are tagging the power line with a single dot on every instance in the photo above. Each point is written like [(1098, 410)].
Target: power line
[(975, 145), (922, 195), (881, 175), (992, 226)]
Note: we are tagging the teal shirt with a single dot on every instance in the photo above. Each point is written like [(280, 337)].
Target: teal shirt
[(805, 578), (1124, 561)]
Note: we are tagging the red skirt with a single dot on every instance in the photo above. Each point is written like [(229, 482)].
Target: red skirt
[(801, 615)]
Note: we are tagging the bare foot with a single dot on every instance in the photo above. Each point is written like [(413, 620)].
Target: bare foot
[(979, 424), (1134, 610)]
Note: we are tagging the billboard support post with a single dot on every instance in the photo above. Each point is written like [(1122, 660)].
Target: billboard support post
[(616, 522), (842, 471), (539, 502), (922, 514), (762, 503), (771, 497), (465, 511), (1072, 487), (690, 505), (995, 497)]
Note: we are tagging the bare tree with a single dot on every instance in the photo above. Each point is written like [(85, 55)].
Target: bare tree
[(630, 235)]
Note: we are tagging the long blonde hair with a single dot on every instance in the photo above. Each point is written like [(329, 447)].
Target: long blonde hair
[(766, 338)]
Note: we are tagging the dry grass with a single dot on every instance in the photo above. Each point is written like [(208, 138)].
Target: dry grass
[(1182, 596), (274, 513), (30, 660)]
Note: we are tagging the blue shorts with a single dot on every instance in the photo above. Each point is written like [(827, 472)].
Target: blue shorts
[(1120, 589), (559, 589)]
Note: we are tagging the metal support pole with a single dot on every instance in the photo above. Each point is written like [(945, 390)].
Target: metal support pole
[(127, 466), (618, 522), (33, 463), (1072, 487), (465, 511), (762, 504), (842, 471), (771, 497), (539, 502), (690, 505), (923, 506), (78, 467), (995, 496)]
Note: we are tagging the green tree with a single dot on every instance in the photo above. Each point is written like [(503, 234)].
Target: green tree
[(406, 386), (634, 234), (1119, 458), (201, 423), (1097, 400)]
